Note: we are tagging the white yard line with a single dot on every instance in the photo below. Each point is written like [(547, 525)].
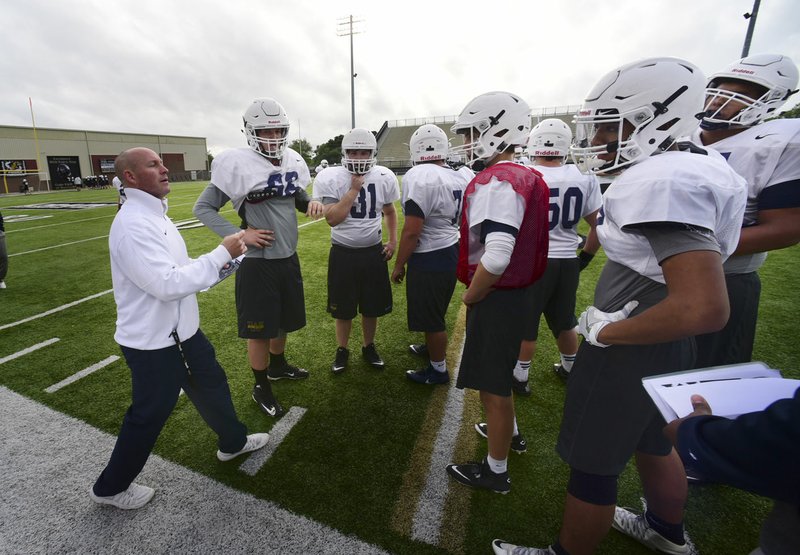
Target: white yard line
[(54, 310), (427, 523), (57, 246), (30, 349), (82, 374), (279, 431)]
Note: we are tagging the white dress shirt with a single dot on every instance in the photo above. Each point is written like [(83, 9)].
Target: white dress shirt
[(154, 279)]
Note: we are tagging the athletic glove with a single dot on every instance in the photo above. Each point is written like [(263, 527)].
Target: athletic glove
[(583, 259), (593, 320)]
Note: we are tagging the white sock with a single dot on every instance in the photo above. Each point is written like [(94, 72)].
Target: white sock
[(521, 370), (440, 366), (516, 430), (498, 467), (567, 361)]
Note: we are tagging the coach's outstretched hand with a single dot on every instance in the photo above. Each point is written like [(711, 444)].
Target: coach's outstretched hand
[(235, 244)]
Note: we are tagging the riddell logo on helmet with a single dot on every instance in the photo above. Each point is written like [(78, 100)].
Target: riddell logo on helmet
[(584, 112), (747, 71), (274, 121), (547, 153), (430, 157)]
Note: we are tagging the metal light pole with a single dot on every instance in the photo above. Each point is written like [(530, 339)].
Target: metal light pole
[(344, 28), (751, 17)]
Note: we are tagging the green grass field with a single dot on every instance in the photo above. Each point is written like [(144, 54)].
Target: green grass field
[(358, 458)]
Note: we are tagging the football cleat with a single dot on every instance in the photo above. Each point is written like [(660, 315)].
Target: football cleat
[(518, 443), (637, 527), (340, 362), (419, 349), (370, 354), (287, 372), (520, 387), (428, 376), (479, 475), (501, 547), (267, 402), (560, 371)]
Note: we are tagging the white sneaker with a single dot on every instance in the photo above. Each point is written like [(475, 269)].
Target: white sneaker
[(501, 547), (254, 443), (135, 497), (637, 527), (2, 284)]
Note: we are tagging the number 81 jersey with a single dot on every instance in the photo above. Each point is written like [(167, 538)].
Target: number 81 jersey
[(362, 227)]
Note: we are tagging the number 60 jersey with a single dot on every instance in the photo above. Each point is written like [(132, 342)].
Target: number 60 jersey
[(362, 227)]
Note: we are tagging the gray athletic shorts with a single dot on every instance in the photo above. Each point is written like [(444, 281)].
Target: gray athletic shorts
[(554, 296)]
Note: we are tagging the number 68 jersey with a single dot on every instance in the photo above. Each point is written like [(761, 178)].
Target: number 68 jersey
[(362, 227)]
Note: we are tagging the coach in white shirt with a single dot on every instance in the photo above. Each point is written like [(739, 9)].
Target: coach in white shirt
[(158, 330)]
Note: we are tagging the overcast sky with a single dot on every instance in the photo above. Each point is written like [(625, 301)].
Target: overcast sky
[(191, 67)]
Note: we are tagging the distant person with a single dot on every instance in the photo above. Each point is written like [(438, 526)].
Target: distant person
[(266, 184), (3, 254), (78, 182), (767, 154), (121, 198), (158, 320), (358, 196), (26, 188), (758, 452), (322, 165), (573, 196), (668, 222), (502, 252), (432, 197)]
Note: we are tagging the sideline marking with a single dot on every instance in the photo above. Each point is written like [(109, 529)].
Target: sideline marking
[(57, 246), (30, 349), (82, 374), (279, 431), (427, 521), (54, 310)]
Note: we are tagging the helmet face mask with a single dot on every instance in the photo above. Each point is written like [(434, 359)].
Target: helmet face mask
[(550, 137), (489, 124), (359, 140), (748, 91), (635, 111), (266, 113), (428, 143)]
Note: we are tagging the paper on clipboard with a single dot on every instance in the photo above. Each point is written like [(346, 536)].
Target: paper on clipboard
[(730, 390)]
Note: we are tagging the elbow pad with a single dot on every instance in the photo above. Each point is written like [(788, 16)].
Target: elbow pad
[(497, 255)]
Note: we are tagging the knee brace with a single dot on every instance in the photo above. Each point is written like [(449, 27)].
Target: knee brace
[(593, 488)]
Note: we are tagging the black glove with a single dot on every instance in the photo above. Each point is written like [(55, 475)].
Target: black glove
[(583, 259)]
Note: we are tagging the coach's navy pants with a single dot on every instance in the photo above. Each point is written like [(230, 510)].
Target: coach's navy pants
[(157, 378)]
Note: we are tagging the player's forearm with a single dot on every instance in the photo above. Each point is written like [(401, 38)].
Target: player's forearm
[(772, 234), (391, 223), (337, 213)]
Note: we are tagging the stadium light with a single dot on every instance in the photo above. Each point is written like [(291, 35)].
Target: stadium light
[(344, 28), (751, 24)]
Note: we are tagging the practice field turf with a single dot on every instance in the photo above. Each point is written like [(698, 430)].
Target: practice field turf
[(363, 452)]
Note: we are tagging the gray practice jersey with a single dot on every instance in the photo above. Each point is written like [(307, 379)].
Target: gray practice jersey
[(260, 192)]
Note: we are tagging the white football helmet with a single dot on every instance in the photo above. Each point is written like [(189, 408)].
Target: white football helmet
[(266, 113), (428, 143), (491, 123), (324, 163), (776, 75), (550, 137), (359, 139), (650, 103)]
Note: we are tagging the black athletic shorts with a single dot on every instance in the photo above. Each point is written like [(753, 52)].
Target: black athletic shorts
[(269, 297), (491, 345), (607, 413), (554, 296), (733, 344), (358, 281), (428, 295)]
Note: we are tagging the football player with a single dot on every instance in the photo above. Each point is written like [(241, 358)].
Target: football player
[(265, 183), (503, 250), (357, 195), (573, 196), (767, 155), (667, 223), (322, 165), (431, 201)]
